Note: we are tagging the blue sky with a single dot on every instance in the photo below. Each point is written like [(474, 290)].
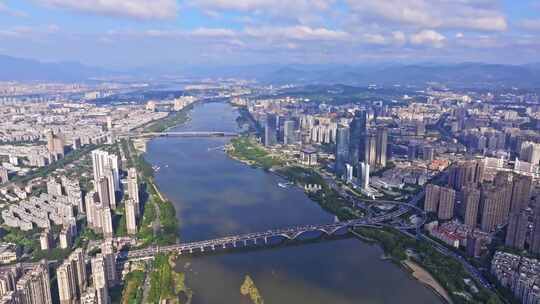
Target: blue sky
[(131, 33)]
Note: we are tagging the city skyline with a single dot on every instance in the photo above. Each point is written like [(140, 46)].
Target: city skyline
[(206, 32)]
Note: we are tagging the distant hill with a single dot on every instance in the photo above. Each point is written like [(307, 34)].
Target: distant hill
[(456, 75), (18, 69), (465, 75)]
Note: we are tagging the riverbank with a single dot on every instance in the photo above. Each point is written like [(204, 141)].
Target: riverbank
[(425, 278), (448, 276), (448, 273)]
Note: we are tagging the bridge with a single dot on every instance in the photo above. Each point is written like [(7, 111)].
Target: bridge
[(263, 238), (188, 134)]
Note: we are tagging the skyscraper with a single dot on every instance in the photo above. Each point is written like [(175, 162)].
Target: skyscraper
[(99, 277), (270, 130), (364, 175), (370, 150), (382, 144), (447, 200), (131, 219), (357, 132), (342, 150)]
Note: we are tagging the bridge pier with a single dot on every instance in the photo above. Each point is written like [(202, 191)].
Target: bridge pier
[(255, 241), (265, 240), (245, 242)]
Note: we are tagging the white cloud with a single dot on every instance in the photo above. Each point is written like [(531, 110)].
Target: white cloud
[(530, 24), (302, 11), (297, 33), (481, 15), (138, 9), (399, 37), (213, 33), (260, 5), (375, 39), (4, 9), (429, 38)]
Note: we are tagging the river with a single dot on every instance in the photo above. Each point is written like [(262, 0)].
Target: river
[(216, 196)]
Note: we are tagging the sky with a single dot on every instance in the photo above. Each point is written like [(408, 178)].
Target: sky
[(137, 33)]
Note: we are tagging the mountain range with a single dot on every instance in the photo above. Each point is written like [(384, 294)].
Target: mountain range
[(453, 75)]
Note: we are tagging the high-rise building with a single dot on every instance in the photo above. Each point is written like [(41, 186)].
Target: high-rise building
[(412, 151), (133, 189), (100, 161), (65, 238), (431, 200), (103, 190), (90, 205), (79, 265), (492, 202), (289, 133), (530, 152), (504, 182), (382, 144), (517, 230), (34, 287), (109, 256), (521, 190), (106, 220), (4, 176), (428, 153), (465, 173), (270, 130), (342, 150), (131, 219), (357, 132), (111, 187), (54, 188), (67, 287), (55, 144), (45, 240), (470, 199), (535, 240), (447, 200), (99, 276)]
